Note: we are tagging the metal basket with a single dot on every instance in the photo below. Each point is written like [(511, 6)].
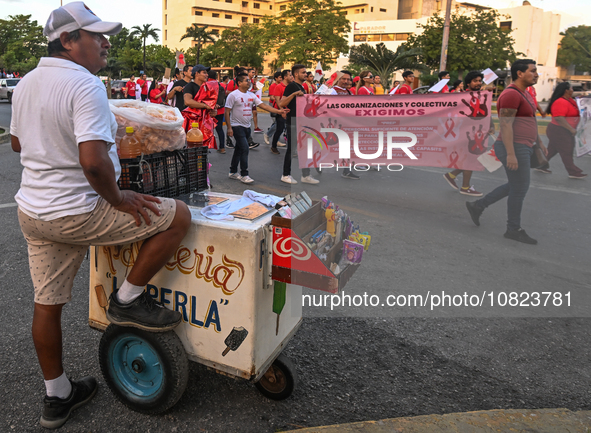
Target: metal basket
[(166, 174)]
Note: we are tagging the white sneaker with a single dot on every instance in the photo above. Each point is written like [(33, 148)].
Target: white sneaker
[(235, 176), (266, 138), (288, 179), (247, 179), (310, 179), (281, 144)]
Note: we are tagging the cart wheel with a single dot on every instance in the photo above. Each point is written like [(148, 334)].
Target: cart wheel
[(279, 381), (147, 371)]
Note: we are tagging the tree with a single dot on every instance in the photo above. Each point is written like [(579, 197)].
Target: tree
[(575, 49), (22, 43), (307, 32), (239, 46), (475, 42), (144, 33), (383, 61), (199, 35)]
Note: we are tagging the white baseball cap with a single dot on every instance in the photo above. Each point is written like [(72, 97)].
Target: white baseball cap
[(76, 16)]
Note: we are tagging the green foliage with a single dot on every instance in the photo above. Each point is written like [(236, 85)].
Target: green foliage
[(240, 46), (143, 33), (22, 43), (575, 49), (476, 42), (199, 35), (309, 31), (383, 61)]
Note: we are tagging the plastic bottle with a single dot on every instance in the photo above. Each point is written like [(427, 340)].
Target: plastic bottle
[(130, 146), (194, 136)]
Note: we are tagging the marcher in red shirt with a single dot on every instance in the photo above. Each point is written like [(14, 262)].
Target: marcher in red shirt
[(142, 81), (278, 91), (309, 84), (130, 85), (157, 91), (561, 132), (443, 75), (365, 83), (514, 148), (458, 86), (406, 87)]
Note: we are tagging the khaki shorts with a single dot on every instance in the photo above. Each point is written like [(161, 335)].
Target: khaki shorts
[(57, 247)]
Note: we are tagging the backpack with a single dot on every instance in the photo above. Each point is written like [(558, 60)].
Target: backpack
[(221, 102)]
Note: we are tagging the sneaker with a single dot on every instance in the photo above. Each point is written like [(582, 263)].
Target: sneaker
[(235, 176), (221, 150), (56, 411), (143, 313), (520, 236), (349, 175), (266, 138), (578, 176), (258, 130), (543, 170), (451, 181), (275, 151), (252, 145), (309, 179), (281, 144), (247, 179), (229, 144), (471, 191), (475, 211), (288, 179)]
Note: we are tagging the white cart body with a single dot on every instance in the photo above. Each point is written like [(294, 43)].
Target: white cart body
[(220, 280)]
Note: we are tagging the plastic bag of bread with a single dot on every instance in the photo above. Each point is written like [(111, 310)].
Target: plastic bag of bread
[(157, 127)]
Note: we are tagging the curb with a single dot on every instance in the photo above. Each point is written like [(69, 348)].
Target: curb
[(536, 420), (5, 137)]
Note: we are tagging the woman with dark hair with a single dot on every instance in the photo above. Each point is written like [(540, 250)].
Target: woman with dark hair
[(156, 92), (365, 83), (561, 132), (457, 86)]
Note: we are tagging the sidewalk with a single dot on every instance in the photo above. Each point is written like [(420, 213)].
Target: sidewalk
[(488, 421)]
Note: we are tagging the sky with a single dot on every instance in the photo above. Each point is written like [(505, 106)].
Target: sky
[(138, 12)]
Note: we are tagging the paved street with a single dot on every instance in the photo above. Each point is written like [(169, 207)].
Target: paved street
[(358, 363)]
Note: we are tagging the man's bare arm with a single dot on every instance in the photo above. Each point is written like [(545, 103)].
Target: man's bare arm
[(15, 144), (506, 118), (100, 173)]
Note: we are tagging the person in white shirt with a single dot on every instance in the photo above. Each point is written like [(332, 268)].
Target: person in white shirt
[(69, 198), (238, 116)]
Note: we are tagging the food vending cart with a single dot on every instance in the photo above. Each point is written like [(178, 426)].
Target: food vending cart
[(238, 286)]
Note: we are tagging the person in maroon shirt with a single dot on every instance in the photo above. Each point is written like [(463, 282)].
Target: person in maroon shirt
[(561, 132), (519, 133)]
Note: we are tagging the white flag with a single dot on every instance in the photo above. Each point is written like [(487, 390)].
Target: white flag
[(318, 73)]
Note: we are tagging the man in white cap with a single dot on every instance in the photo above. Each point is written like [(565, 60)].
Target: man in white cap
[(69, 198)]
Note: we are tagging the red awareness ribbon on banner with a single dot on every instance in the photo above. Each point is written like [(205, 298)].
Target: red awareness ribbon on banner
[(315, 159), (475, 105), (479, 142), (453, 158), (311, 109), (450, 128), (302, 138)]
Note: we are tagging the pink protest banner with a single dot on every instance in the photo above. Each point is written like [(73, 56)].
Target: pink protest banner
[(434, 130)]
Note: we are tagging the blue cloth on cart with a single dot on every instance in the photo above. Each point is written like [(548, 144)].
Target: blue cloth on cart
[(222, 211)]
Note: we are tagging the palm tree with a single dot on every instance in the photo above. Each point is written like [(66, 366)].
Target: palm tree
[(200, 35), (383, 61), (144, 33)]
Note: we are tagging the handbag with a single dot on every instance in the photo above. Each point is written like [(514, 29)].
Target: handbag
[(538, 159)]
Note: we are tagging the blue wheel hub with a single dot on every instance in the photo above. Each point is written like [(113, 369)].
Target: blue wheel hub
[(136, 367)]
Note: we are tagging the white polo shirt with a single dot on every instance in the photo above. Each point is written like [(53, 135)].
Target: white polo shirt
[(54, 108), (241, 106)]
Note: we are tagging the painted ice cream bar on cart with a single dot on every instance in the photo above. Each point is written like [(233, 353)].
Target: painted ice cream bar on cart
[(237, 280)]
